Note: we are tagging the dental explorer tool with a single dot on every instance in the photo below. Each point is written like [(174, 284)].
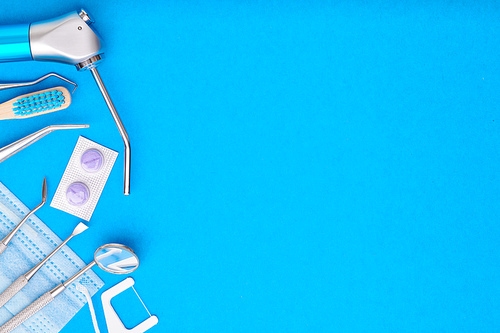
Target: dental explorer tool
[(19, 145), (31, 83), (23, 280), (66, 39), (106, 255), (10, 236)]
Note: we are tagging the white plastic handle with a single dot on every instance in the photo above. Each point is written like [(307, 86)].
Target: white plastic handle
[(28, 311), (81, 288), (13, 289)]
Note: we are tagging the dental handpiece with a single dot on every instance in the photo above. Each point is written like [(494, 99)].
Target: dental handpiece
[(23, 280), (67, 39)]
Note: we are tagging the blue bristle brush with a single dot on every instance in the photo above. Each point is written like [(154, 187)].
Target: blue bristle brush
[(36, 103)]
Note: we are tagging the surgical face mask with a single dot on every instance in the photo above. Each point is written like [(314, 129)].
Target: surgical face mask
[(30, 245)]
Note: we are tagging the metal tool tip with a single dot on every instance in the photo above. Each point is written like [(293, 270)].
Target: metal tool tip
[(44, 190), (81, 227)]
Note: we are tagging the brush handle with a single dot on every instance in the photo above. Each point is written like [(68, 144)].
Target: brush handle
[(13, 289), (25, 314), (15, 43)]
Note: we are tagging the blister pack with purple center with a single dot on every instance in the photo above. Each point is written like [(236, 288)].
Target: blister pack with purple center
[(84, 178), (77, 194), (92, 160)]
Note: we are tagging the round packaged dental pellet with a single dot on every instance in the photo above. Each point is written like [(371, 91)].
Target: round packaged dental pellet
[(92, 160), (84, 178), (77, 194)]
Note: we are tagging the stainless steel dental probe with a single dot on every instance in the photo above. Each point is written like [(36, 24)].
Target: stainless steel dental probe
[(66, 39), (31, 83), (8, 238), (23, 280), (20, 144)]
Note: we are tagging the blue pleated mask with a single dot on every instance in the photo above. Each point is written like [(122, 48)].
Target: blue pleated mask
[(30, 245)]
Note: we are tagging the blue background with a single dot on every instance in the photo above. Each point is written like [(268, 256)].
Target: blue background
[(298, 166)]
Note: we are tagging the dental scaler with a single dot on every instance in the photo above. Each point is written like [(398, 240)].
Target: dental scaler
[(66, 39)]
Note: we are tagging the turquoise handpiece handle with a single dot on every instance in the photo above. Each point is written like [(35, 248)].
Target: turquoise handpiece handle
[(15, 43)]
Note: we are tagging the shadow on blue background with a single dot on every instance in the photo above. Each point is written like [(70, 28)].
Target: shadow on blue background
[(297, 166)]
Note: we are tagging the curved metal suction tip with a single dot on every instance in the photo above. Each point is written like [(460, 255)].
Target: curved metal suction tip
[(121, 129)]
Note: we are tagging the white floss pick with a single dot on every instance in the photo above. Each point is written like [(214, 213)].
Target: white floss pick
[(83, 180)]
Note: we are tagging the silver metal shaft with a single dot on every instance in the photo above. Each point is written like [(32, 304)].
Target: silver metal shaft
[(35, 269), (12, 233), (121, 128), (81, 227), (19, 145), (60, 288), (31, 83)]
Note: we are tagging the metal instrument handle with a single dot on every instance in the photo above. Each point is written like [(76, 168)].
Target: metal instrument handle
[(13, 289), (25, 314)]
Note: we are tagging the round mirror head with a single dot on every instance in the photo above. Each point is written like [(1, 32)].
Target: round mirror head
[(116, 259)]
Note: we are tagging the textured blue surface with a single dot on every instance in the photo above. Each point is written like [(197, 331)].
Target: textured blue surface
[(298, 166)]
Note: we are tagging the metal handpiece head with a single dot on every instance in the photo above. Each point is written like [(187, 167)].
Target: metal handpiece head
[(67, 39)]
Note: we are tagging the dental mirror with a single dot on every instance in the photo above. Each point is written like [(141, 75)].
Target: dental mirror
[(112, 258), (116, 259)]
